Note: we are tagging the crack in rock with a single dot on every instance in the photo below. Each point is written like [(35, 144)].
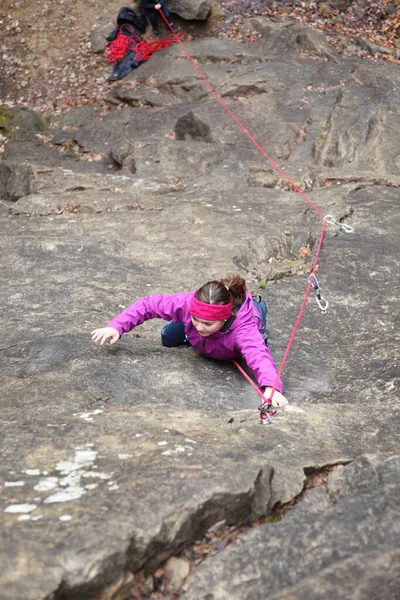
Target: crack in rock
[(273, 258), (157, 577)]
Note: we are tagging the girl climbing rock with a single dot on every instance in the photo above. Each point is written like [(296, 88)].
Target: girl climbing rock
[(221, 320)]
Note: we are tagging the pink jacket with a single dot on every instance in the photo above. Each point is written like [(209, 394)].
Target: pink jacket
[(241, 339)]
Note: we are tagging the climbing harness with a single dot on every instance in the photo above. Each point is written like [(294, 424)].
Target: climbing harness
[(265, 408)]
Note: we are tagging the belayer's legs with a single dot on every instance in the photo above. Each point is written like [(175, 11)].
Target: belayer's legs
[(173, 334), (151, 14), (169, 19)]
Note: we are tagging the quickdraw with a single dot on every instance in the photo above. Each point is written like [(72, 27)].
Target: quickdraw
[(322, 303)]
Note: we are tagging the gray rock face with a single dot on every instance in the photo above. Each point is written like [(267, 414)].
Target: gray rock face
[(190, 9), (25, 122), (285, 34), (15, 181), (337, 551), (116, 458), (358, 131), (99, 33), (189, 126)]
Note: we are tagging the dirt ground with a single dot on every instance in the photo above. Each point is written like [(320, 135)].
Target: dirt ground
[(46, 59), (46, 62)]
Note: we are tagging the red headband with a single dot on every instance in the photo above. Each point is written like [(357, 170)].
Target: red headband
[(210, 312)]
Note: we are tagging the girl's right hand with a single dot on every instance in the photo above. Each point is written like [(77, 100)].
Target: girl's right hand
[(100, 336), (277, 399)]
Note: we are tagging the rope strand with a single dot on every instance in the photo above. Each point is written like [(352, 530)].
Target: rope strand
[(299, 191), (127, 40), (299, 316), (242, 127)]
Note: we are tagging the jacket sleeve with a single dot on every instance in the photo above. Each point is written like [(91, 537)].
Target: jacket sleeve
[(168, 307), (257, 356)]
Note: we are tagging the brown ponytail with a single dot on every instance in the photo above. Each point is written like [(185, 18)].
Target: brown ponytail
[(233, 287)]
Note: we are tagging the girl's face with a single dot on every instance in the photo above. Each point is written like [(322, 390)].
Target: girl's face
[(206, 328)]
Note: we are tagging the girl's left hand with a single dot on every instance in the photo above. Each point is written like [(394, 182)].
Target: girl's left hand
[(278, 399), (100, 336)]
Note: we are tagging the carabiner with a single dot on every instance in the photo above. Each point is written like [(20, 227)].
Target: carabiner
[(346, 228), (312, 277), (322, 303), (266, 412), (265, 419), (329, 219)]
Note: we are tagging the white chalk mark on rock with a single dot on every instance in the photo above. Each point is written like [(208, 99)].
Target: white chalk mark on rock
[(14, 483), (98, 474), (87, 416), (20, 508), (47, 483), (70, 485)]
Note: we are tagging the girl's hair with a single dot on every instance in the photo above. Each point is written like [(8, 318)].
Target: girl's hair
[(233, 287)]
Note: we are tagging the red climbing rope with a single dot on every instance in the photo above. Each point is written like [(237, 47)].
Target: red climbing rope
[(116, 49), (265, 414), (127, 40), (145, 48), (242, 127), (297, 323), (265, 402)]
